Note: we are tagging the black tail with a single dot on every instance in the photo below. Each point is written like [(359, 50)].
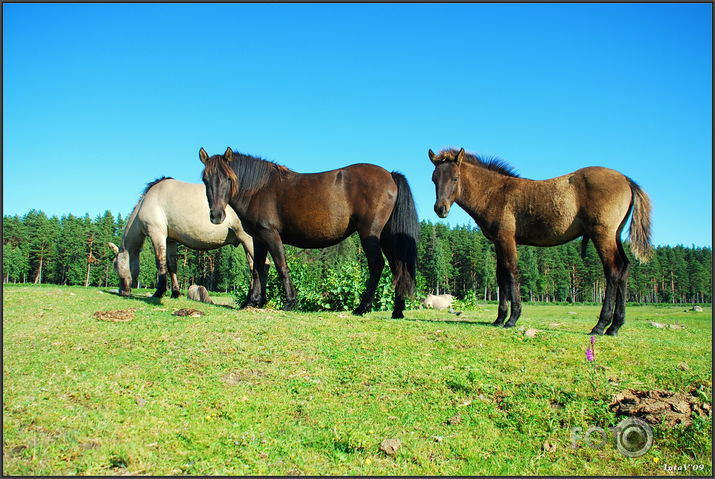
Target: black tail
[(401, 234)]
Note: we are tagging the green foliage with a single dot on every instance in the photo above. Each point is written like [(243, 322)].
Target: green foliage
[(459, 261)]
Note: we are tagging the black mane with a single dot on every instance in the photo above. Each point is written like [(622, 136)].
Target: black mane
[(158, 180), (253, 172), (492, 163)]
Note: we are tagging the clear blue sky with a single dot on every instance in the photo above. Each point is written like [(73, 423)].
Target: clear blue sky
[(100, 99)]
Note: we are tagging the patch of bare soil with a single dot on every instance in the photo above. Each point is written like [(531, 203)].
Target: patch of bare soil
[(656, 405), (194, 313), (115, 315), (239, 376)]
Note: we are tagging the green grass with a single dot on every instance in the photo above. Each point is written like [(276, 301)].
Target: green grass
[(270, 392)]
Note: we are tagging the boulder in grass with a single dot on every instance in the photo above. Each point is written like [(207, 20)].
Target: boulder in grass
[(199, 293)]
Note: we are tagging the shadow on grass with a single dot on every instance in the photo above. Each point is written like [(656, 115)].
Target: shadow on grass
[(489, 323), (153, 300), (450, 321)]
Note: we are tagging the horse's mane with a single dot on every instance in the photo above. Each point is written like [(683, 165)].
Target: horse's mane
[(253, 171), (493, 163), (158, 180)]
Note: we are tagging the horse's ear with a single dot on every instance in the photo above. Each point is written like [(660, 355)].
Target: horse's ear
[(114, 247), (229, 154), (203, 156), (460, 157), (432, 156)]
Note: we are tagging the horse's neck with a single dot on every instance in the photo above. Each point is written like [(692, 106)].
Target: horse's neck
[(133, 237), (479, 188), (242, 200)]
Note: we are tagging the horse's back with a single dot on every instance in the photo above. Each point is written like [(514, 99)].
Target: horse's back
[(180, 210), (320, 209)]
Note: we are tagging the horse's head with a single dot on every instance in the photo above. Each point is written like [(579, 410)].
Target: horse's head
[(220, 181), (446, 179), (121, 266)]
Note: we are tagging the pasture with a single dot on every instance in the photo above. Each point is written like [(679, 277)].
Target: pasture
[(270, 392)]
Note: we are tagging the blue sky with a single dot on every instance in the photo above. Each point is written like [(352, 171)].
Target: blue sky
[(100, 99)]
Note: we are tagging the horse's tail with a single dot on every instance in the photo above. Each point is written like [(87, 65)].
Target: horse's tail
[(639, 232), (402, 233)]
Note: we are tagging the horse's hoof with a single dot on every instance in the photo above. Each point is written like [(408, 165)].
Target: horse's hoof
[(509, 325), (610, 332), (596, 332), (174, 294), (498, 323), (359, 312), (397, 315), (157, 295)]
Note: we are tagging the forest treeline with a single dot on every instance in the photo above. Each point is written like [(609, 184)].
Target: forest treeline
[(72, 250)]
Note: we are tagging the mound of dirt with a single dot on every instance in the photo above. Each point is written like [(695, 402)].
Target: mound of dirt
[(656, 405), (115, 315), (194, 313)]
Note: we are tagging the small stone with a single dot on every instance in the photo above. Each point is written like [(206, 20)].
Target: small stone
[(657, 325), (454, 420), (683, 366), (531, 333), (390, 446)]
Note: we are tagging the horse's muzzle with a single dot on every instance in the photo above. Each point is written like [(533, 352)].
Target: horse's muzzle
[(218, 217), (441, 210)]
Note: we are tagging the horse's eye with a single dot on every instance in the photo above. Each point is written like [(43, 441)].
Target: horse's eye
[(455, 178)]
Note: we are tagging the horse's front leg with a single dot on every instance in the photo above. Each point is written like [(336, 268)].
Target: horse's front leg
[(503, 285), (257, 292), (159, 242), (510, 272), (275, 246)]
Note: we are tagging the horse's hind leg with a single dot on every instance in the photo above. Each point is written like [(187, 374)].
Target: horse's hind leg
[(613, 266), (375, 265), (399, 306), (172, 265), (619, 313)]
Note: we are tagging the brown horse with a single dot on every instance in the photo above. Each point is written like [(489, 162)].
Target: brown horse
[(277, 206), (592, 202)]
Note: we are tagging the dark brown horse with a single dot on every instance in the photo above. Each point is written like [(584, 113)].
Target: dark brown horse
[(593, 203), (277, 206)]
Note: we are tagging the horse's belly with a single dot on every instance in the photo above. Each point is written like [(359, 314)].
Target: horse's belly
[(316, 238), (208, 239), (539, 233)]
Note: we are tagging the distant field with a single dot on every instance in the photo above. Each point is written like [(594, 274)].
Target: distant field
[(267, 392)]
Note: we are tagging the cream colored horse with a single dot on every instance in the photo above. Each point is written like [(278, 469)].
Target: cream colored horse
[(171, 212)]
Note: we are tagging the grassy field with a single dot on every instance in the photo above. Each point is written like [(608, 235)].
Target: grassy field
[(269, 392)]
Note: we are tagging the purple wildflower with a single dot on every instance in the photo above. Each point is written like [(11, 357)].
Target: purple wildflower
[(593, 340), (589, 354)]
